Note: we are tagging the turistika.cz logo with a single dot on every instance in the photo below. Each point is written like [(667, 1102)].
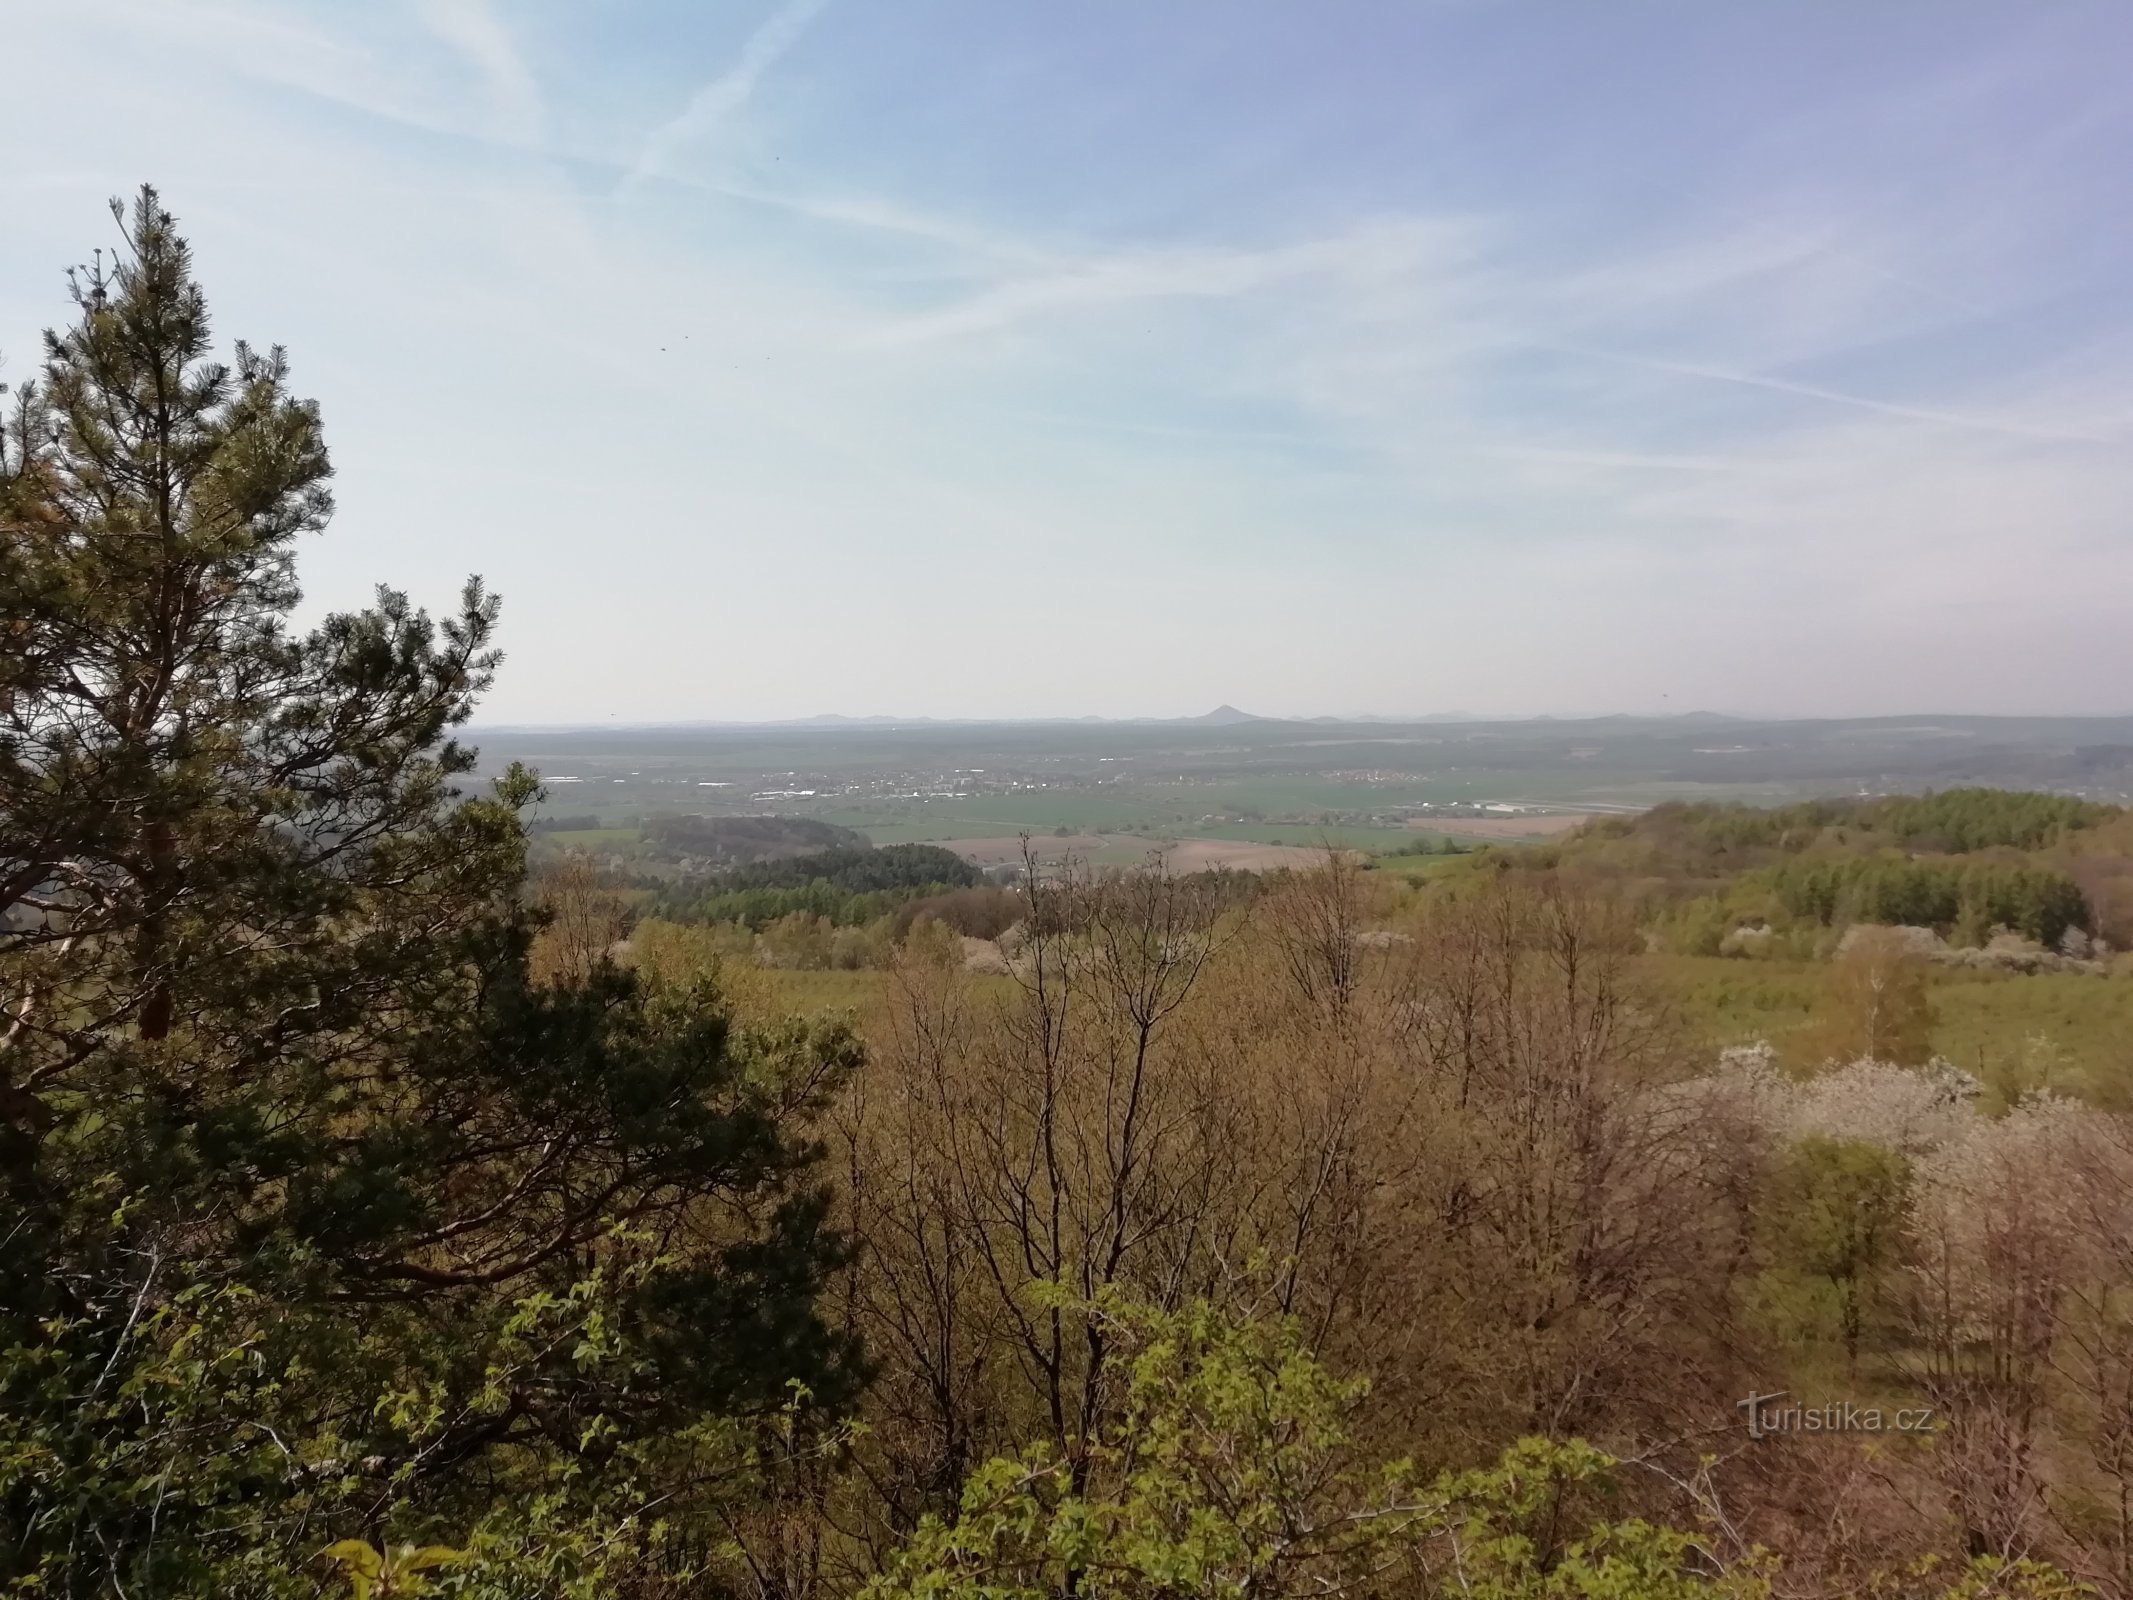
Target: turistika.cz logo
[(1767, 1417)]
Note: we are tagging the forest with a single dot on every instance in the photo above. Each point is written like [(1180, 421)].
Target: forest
[(1965, 863), (385, 1217), (847, 886)]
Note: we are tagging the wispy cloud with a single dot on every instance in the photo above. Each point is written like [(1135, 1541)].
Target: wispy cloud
[(725, 95), (363, 59), (1375, 251), (473, 28), (2010, 426), (875, 214), (1295, 427)]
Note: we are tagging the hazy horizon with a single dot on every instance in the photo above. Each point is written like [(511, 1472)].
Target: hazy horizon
[(832, 719), (1011, 362)]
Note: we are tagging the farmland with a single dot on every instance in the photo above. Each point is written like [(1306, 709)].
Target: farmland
[(1356, 785)]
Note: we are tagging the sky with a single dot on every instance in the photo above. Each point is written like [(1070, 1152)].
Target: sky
[(990, 358)]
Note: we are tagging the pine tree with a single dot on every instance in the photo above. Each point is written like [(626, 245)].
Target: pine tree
[(287, 1130), (181, 779)]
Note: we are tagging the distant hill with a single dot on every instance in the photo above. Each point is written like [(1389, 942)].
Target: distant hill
[(1222, 716), (740, 841)]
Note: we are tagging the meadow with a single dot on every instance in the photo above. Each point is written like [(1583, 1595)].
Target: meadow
[(2068, 1032), (2072, 1034)]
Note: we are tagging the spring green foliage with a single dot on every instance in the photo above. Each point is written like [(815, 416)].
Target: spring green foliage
[(1964, 863), (1952, 822), (375, 1574), (1961, 821), (759, 908), (1230, 1473), (318, 1219), (1426, 845), (1836, 1210), (847, 887), (1964, 897)]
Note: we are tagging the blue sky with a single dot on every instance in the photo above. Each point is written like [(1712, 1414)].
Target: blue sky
[(974, 357)]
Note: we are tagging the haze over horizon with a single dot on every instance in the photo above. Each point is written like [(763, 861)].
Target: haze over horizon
[(1024, 362), (1229, 715)]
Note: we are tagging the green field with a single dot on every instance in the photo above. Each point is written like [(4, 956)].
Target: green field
[(1414, 868), (979, 820), (1989, 1023), (1307, 833), (1273, 811)]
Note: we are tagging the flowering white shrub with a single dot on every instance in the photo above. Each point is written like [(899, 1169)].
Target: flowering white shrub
[(1746, 1096), (1897, 939), (2015, 1210), (1906, 1109), (1757, 1060)]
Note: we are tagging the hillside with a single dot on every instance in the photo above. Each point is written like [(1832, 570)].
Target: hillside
[(740, 841), (1720, 878), (848, 886)]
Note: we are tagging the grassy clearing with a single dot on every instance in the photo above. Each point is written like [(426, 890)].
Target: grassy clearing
[(2076, 1033), (1732, 1002), (1414, 868), (2069, 1032)]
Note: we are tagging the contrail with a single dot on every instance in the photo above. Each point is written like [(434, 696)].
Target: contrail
[(727, 93)]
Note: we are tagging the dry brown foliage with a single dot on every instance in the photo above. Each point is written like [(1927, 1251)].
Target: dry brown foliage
[(586, 921), (1437, 1145), (1457, 1143)]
